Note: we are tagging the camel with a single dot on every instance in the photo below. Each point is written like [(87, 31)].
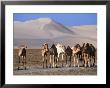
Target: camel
[(44, 52), (76, 50), (53, 56), (68, 53), (93, 54), (60, 50), (86, 55), (22, 55)]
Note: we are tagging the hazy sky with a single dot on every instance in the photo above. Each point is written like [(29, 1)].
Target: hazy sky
[(67, 19)]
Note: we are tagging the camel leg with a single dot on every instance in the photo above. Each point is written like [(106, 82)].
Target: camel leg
[(50, 61), (93, 57), (82, 59), (43, 61), (24, 62), (77, 61), (21, 63), (46, 62), (58, 59), (74, 60), (88, 60), (62, 59), (94, 60), (53, 61), (89, 63), (66, 60), (70, 61), (85, 60)]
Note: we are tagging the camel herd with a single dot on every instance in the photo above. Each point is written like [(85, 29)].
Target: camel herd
[(86, 53)]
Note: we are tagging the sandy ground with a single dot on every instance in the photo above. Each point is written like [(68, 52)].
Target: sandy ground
[(57, 71), (34, 66)]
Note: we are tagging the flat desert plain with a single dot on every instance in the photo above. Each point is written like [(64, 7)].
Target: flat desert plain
[(35, 66)]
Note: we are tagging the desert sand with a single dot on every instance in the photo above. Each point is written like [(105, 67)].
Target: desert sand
[(35, 67)]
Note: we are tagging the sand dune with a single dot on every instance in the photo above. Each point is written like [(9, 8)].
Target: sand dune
[(35, 32), (42, 28)]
